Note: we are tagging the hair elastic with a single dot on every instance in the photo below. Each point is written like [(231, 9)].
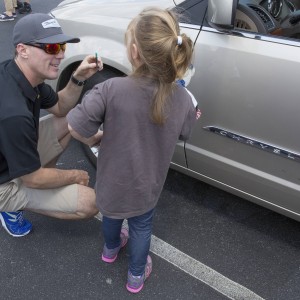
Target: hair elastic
[(179, 40)]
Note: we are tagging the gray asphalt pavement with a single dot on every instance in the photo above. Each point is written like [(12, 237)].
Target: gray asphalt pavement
[(61, 260), (207, 244)]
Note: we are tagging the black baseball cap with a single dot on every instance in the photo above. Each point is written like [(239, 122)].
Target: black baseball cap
[(40, 28)]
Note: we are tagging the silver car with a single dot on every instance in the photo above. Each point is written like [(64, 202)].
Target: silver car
[(247, 64)]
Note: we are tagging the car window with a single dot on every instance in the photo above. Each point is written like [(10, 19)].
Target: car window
[(276, 18)]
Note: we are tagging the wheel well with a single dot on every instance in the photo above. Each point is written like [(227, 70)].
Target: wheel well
[(106, 73)]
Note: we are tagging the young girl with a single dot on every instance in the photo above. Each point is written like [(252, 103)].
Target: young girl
[(143, 116)]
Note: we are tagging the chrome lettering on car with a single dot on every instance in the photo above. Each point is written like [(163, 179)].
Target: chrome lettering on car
[(254, 143)]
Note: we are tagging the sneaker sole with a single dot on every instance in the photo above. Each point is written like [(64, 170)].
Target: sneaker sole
[(7, 20), (148, 271), (124, 242), (10, 233), (134, 291), (109, 260)]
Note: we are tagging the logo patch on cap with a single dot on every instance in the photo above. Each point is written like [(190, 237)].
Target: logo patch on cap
[(50, 24)]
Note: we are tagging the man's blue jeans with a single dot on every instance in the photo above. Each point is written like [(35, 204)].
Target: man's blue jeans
[(140, 229)]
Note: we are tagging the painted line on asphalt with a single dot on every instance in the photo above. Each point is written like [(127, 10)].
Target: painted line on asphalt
[(198, 270)]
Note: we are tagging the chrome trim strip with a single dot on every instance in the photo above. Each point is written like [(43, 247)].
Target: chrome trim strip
[(191, 26), (254, 143)]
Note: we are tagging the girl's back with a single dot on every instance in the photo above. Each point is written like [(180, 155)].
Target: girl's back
[(135, 153)]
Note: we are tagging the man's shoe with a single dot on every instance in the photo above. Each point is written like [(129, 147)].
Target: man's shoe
[(110, 255), (13, 14), (25, 9), (15, 224), (136, 283), (4, 17)]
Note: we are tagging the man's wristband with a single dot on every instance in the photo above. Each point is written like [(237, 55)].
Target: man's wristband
[(77, 82)]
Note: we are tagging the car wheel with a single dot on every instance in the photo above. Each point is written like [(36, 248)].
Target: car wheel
[(106, 73)]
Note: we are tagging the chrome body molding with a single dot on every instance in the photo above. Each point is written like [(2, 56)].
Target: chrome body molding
[(191, 26), (254, 143)]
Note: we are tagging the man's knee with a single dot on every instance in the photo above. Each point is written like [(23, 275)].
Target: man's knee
[(86, 207), (60, 126), (61, 131)]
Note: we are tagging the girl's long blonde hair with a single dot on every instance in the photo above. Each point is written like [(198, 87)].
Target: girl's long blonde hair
[(165, 54)]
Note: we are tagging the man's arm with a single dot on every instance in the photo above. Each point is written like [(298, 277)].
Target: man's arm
[(48, 178), (68, 97)]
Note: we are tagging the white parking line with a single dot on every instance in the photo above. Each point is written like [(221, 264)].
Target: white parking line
[(191, 266)]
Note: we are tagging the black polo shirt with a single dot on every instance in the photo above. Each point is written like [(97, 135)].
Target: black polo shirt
[(20, 106)]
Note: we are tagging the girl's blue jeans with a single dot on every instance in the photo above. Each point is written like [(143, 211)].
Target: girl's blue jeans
[(140, 229)]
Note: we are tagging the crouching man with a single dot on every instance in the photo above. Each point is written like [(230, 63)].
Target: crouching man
[(29, 146)]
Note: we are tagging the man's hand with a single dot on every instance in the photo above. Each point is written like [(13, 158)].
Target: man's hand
[(82, 177), (68, 97), (88, 67)]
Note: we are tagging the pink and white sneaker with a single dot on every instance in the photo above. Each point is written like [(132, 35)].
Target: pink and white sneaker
[(136, 283)]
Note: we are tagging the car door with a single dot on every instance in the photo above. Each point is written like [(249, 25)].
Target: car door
[(247, 140)]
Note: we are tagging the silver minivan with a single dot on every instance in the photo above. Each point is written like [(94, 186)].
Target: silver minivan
[(246, 68)]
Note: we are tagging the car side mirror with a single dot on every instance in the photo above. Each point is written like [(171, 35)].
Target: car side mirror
[(221, 14)]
